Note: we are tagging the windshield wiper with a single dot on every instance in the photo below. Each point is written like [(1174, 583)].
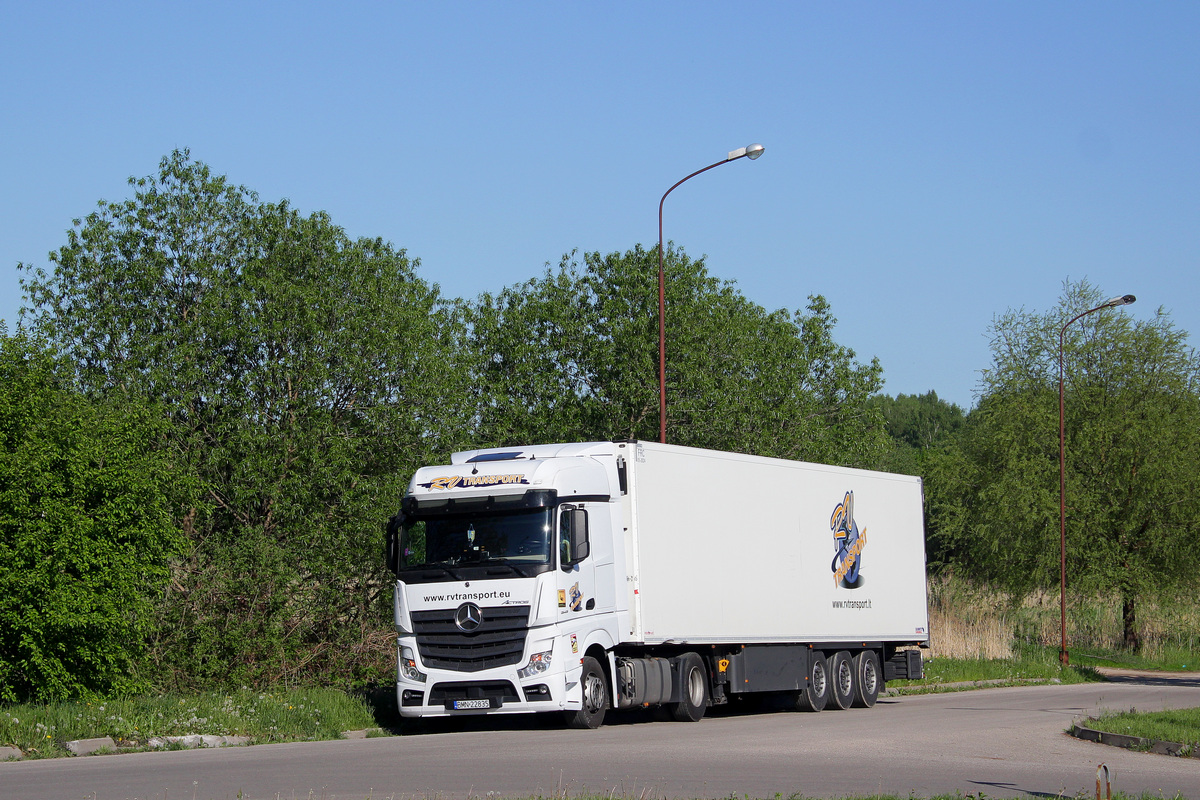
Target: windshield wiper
[(508, 565), (442, 566)]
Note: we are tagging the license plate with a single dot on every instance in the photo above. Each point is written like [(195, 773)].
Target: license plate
[(461, 705)]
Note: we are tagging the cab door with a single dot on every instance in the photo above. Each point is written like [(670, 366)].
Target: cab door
[(576, 567)]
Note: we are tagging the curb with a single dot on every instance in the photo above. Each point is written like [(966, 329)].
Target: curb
[(990, 683), (1134, 742), (366, 733), (197, 740), (87, 747)]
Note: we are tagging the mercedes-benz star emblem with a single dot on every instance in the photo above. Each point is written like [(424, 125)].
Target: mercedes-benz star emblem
[(468, 618)]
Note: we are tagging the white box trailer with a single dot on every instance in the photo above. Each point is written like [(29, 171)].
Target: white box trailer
[(581, 577)]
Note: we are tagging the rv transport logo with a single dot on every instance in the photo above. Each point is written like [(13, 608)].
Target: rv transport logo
[(848, 541), (464, 481)]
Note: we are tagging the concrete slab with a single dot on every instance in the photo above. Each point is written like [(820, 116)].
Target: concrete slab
[(85, 747)]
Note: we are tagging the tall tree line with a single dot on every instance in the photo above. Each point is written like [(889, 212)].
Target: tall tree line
[(1131, 403), (219, 400), (288, 379)]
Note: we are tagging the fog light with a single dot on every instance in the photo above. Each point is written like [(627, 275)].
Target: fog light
[(537, 692)]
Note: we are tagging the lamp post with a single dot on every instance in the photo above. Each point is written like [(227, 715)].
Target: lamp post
[(751, 152), (1121, 300)]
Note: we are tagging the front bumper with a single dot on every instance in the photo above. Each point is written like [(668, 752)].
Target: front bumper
[(445, 694)]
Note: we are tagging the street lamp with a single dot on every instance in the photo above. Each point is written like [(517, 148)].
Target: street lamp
[(1121, 300), (751, 152)]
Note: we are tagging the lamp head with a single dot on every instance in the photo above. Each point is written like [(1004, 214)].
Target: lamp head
[(751, 152), (1120, 300)]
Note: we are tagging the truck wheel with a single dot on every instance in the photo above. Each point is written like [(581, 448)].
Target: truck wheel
[(693, 688), (841, 684), (866, 679), (814, 696), (594, 686)]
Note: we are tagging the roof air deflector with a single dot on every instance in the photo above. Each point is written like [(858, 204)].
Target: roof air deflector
[(509, 456)]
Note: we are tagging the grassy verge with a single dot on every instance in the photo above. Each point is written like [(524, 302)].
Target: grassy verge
[(1180, 725), (1032, 665), (298, 714), (1171, 659)]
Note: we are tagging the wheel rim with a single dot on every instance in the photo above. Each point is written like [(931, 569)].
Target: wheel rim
[(870, 679), (696, 688), (818, 680), (845, 678), (593, 693)]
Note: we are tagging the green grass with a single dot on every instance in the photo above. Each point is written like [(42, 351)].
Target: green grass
[(1171, 659), (1033, 665), (1180, 725), (297, 714)]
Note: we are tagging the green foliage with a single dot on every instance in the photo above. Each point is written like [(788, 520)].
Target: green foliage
[(923, 429), (296, 714), (919, 421), (574, 356), (1029, 667), (306, 375), (1133, 441), (85, 529)]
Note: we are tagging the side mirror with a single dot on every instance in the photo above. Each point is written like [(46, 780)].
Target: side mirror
[(573, 536), (392, 549)]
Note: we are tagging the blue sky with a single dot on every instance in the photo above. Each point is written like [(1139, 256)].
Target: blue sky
[(928, 165)]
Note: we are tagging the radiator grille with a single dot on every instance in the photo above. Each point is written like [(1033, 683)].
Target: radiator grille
[(499, 641)]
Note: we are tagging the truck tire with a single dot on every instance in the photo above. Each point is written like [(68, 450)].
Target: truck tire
[(594, 686), (815, 695), (693, 689), (866, 679), (841, 680)]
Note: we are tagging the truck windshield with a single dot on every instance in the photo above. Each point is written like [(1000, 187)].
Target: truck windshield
[(471, 545)]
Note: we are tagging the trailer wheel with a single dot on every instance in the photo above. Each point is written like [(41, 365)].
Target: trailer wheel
[(693, 688), (814, 696), (841, 685), (594, 686), (866, 679)]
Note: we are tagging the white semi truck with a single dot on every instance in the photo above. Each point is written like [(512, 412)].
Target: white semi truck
[(582, 577)]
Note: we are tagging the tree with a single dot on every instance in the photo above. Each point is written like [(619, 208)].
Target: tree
[(919, 421), (1132, 399), (574, 356), (85, 530), (306, 375), (924, 430)]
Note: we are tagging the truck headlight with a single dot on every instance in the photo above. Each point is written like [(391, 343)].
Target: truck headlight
[(408, 665), (538, 663)]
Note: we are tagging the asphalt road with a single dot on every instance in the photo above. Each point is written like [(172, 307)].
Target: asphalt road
[(999, 742)]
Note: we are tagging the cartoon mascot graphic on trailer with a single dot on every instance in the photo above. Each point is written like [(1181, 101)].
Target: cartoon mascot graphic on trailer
[(848, 543)]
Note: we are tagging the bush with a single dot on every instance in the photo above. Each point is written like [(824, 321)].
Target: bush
[(85, 530)]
